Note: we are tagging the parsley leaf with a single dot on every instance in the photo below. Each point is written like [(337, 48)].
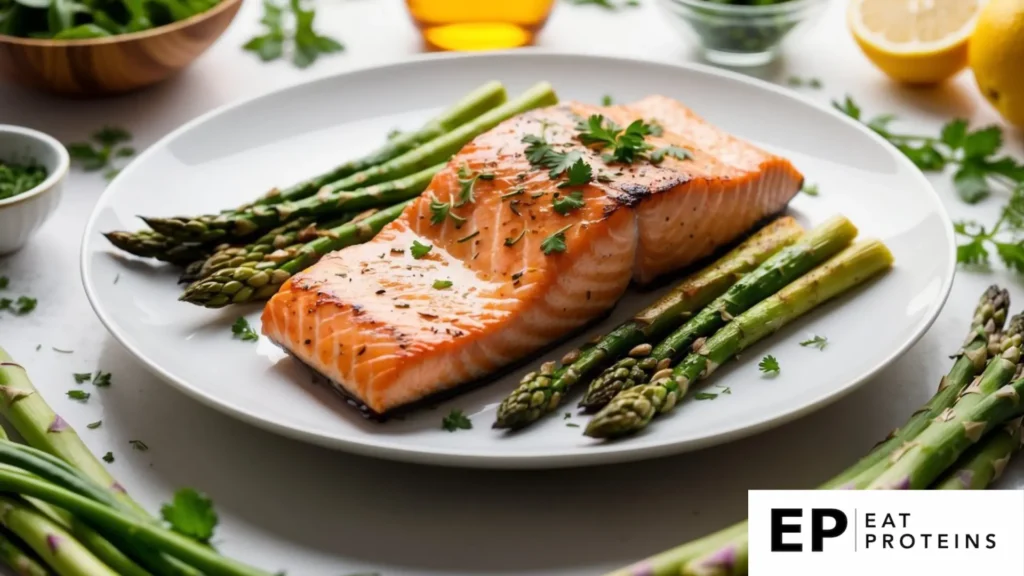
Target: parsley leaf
[(626, 145), (566, 204), (818, 342), (108, 457), (241, 330), (442, 284), (456, 420), (96, 155), (82, 377), (560, 163), (305, 43), (419, 250), (191, 514), (78, 395), (769, 365), (555, 242), (23, 305), (674, 151)]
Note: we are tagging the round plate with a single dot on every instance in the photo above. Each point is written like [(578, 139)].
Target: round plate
[(235, 153)]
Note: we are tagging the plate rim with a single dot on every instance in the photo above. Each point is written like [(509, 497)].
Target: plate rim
[(623, 452)]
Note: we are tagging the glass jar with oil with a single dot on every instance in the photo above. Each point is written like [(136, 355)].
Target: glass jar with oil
[(479, 24)]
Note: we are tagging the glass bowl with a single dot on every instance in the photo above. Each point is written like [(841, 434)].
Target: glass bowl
[(740, 35)]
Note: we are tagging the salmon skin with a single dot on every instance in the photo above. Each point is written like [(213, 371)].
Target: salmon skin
[(447, 294)]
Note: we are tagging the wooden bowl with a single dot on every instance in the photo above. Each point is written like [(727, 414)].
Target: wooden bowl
[(113, 65)]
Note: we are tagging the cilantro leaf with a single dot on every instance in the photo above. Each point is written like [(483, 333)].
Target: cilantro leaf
[(241, 330), (442, 284), (674, 151), (954, 133), (626, 145), (983, 143), (578, 174), (456, 420), (419, 250), (191, 514), (560, 163), (818, 342), (555, 242), (769, 365), (971, 184), (566, 204)]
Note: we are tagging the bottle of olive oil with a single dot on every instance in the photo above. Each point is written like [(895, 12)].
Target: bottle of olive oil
[(479, 24)]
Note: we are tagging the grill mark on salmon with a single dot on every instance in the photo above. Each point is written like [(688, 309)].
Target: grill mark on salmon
[(369, 319)]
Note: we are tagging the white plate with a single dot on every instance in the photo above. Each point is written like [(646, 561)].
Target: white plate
[(232, 154)]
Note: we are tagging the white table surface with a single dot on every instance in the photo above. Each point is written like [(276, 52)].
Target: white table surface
[(287, 505)]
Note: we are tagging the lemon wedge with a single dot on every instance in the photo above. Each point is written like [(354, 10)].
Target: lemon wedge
[(914, 41)]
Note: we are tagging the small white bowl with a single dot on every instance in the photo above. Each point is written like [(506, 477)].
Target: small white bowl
[(22, 215)]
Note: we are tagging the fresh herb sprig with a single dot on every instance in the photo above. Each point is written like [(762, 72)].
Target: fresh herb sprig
[(191, 514), (624, 145), (241, 330), (1005, 237), (108, 144), (972, 152), (298, 36)]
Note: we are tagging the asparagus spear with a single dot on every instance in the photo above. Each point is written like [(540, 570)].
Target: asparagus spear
[(58, 549), (18, 560), (150, 244), (631, 410), (713, 551), (984, 463), (421, 159), (471, 106), (262, 219), (258, 281), (787, 265), (988, 320), (114, 523), (279, 245), (982, 406), (540, 393)]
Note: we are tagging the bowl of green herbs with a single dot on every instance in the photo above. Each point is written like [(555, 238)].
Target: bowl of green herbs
[(741, 33), (33, 167), (102, 47)]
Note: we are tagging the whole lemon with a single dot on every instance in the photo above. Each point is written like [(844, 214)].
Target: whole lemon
[(996, 54)]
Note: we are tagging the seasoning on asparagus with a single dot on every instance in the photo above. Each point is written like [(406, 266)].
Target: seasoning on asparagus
[(252, 282), (768, 278), (631, 410), (539, 393)]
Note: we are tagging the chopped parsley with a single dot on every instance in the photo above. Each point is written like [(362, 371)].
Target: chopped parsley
[(18, 178), (94, 425), (467, 180), (442, 284), (23, 305), (769, 365), (456, 420), (624, 145), (566, 204), (81, 377), (512, 241), (108, 457), (138, 445), (555, 242), (241, 330), (810, 189), (4, 282), (540, 154), (704, 396), (798, 82), (419, 250), (674, 151), (101, 379), (516, 191), (571, 425), (306, 44), (578, 174), (439, 211), (606, 100), (78, 395), (108, 145), (818, 342)]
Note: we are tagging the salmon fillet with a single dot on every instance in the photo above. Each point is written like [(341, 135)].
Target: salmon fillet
[(388, 329)]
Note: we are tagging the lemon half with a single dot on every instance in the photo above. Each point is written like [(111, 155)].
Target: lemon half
[(997, 57), (914, 41)]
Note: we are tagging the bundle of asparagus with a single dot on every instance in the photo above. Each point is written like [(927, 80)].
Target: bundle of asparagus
[(961, 439), (220, 251), (62, 513), (716, 312)]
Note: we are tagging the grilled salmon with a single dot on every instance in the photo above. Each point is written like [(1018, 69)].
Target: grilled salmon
[(495, 261)]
